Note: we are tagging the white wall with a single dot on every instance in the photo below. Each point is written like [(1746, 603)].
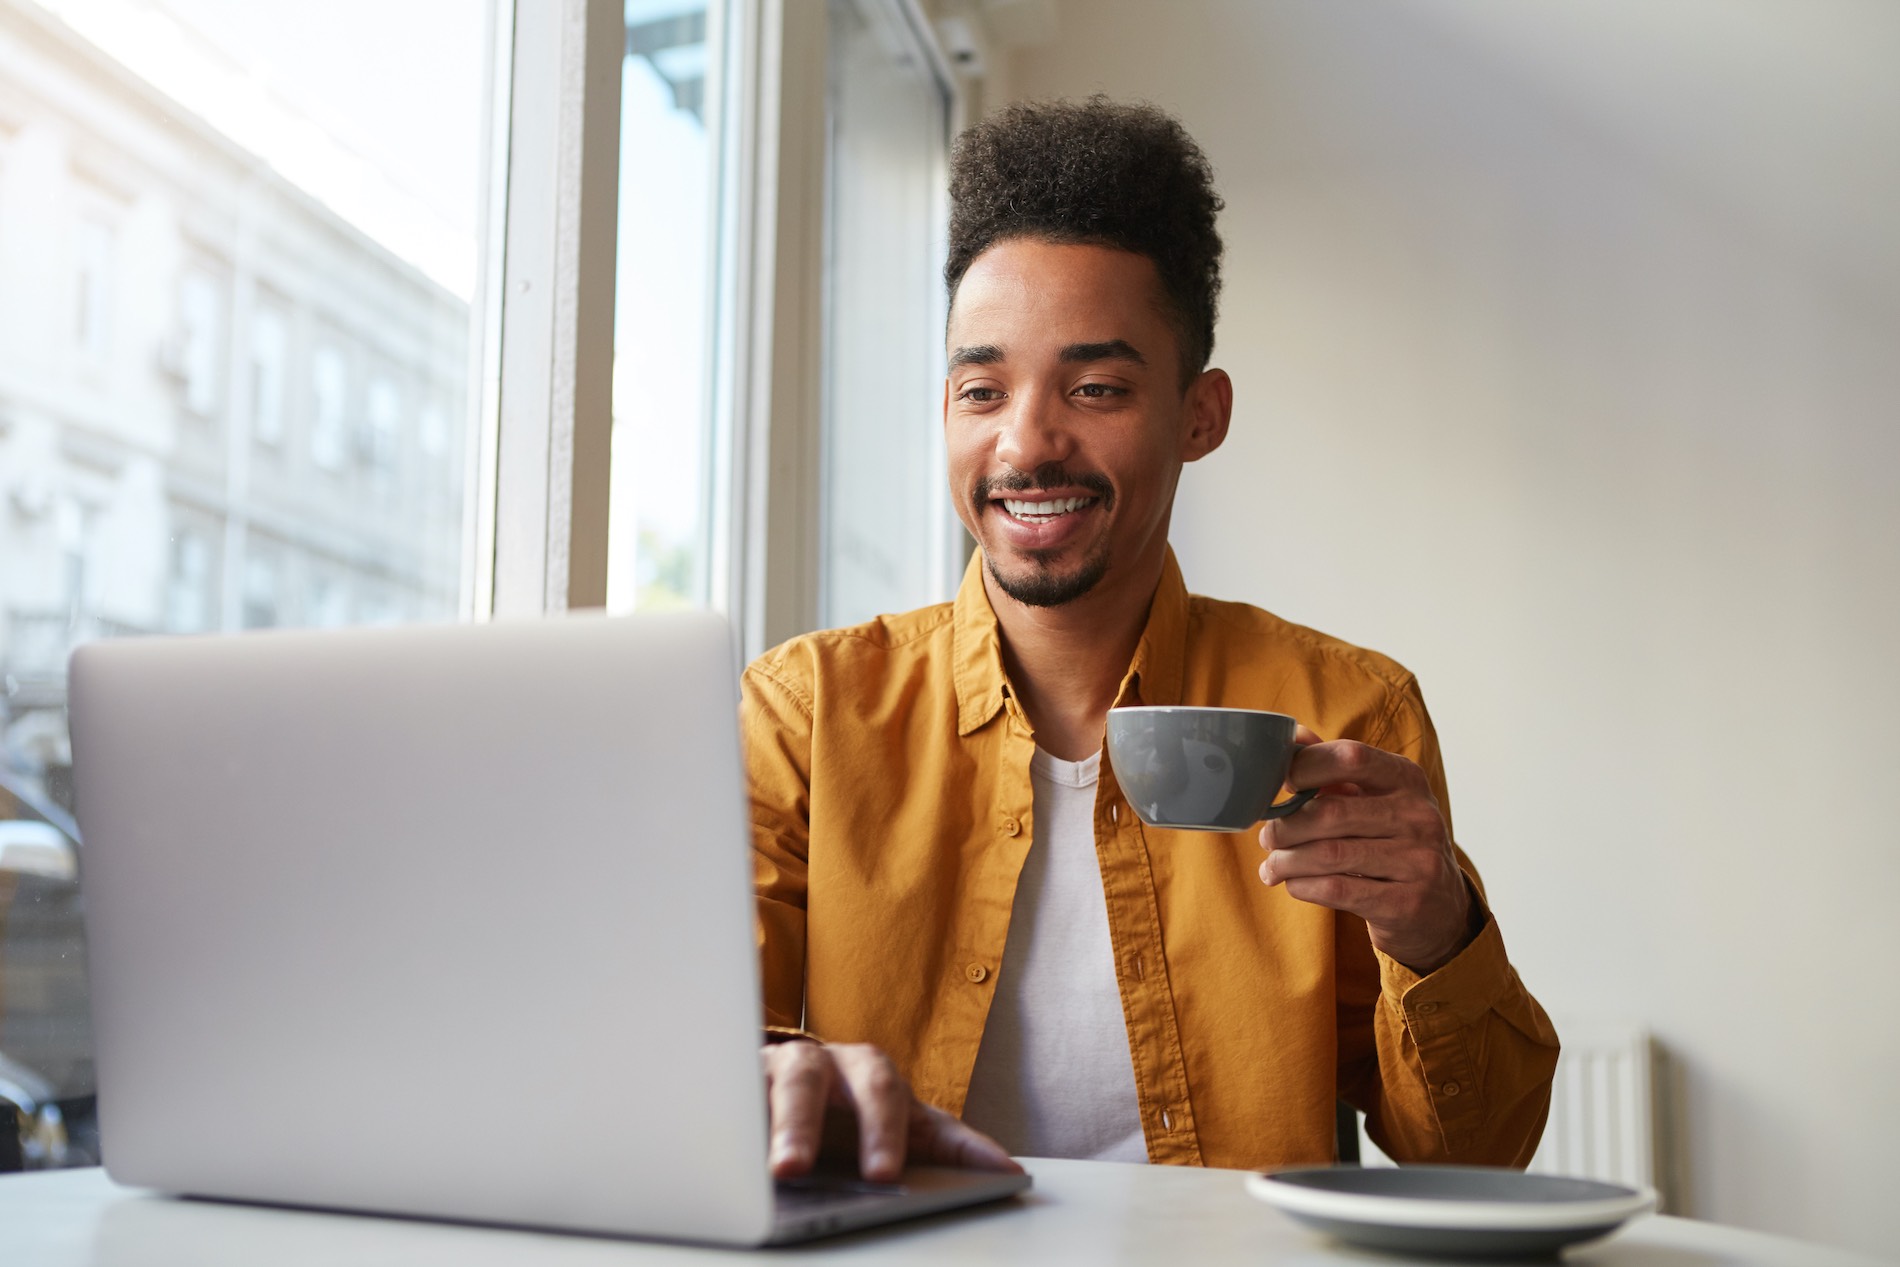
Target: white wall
[(1567, 348)]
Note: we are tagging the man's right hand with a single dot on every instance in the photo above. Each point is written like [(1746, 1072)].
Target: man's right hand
[(804, 1080)]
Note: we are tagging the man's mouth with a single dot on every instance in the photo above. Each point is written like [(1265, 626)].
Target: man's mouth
[(1045, 511)]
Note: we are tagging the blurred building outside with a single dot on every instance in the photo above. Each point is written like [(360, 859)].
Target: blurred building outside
[(223, 405), (237, 256)]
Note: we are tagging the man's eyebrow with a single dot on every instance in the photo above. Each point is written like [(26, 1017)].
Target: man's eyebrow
[(978, 354), (1111, 350)]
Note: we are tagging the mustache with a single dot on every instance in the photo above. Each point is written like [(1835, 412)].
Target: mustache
[(1048, 475)]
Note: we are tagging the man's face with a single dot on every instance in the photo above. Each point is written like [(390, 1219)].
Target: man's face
[(1064, 416)]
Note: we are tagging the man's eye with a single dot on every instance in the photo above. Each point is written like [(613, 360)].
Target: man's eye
[(1097, 391), (980, 395)]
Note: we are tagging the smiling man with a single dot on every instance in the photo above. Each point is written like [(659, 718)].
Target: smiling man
[(968, 939)]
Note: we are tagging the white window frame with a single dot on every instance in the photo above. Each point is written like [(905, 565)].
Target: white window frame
[(765, 565), (544, 314)]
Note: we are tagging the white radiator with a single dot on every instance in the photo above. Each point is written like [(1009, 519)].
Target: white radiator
[(1602, 1109)]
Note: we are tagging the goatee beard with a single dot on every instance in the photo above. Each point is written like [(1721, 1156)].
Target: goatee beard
[(1047, 588)]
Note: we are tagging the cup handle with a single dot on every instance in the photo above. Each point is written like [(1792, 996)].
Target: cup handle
[(1289, 805)]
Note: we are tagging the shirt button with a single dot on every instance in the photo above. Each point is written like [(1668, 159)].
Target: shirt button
[(1450, 1088), (1011, 827), (977, 972)]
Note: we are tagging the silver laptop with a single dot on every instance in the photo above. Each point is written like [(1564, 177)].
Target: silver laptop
[(443, 921)]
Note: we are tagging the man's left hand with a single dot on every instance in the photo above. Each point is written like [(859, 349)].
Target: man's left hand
[(1373, 844)]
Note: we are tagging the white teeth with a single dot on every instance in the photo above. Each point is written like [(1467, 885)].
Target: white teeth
[(1044, 510)]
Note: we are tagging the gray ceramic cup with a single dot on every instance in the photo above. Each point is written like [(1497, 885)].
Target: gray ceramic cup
[(1203, 769)]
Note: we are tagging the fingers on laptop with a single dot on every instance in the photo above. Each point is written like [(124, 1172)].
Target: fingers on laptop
[(870, 1083), (797, 1087), (803, 1080)]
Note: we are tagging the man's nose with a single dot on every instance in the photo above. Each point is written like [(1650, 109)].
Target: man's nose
[(1031, 432)]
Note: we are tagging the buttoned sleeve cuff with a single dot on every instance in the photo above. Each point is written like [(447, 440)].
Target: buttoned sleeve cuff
[(1459, 993), (1439, 1013), (1476, 1043)]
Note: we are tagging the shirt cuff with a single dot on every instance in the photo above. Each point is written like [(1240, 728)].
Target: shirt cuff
[(1458, 993)]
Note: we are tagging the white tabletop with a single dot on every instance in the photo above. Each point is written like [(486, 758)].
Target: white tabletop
[(1078, 1212)]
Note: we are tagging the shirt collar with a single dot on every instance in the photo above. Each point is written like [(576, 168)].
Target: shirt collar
[(1160, 663), (1154, 675)]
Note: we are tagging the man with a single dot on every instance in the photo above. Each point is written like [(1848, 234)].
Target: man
[(954, 897)]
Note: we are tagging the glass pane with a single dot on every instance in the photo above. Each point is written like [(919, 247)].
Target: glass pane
[(889, 537), (237, 253), (662, 499)]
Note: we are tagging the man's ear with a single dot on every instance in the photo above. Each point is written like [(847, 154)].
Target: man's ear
[(1209, 408)]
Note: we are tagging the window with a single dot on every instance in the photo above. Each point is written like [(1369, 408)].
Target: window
[(260, 589), (382, 421), (432, 433), (196, 175), (75, 521), (326, 602), (188, 596), (270, 355), (662, 498), (889, 538), (329, 402), (322, 222), (93, 251), (201, 326)]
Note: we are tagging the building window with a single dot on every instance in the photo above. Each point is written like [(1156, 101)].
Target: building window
[(326, 602), (260, 590), (329, 388), (93, 251), (74, 521), (201, 325), (270, 356), (382, 423), (188, 595), (432, 431)]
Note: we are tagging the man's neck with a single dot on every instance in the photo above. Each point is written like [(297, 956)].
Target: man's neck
[(1065, 663)]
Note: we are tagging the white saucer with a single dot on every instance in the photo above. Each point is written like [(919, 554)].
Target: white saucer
[(1464, 1210)]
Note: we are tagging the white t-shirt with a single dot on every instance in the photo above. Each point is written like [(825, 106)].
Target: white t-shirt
[(1053, 1077)]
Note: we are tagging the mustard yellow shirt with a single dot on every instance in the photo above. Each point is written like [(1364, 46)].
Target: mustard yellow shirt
[(889, 769)]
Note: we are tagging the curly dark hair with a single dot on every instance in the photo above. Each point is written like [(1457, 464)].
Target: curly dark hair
[(1100, 173)]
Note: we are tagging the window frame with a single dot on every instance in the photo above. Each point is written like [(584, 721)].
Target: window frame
[(543, 313), (545, 310)]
